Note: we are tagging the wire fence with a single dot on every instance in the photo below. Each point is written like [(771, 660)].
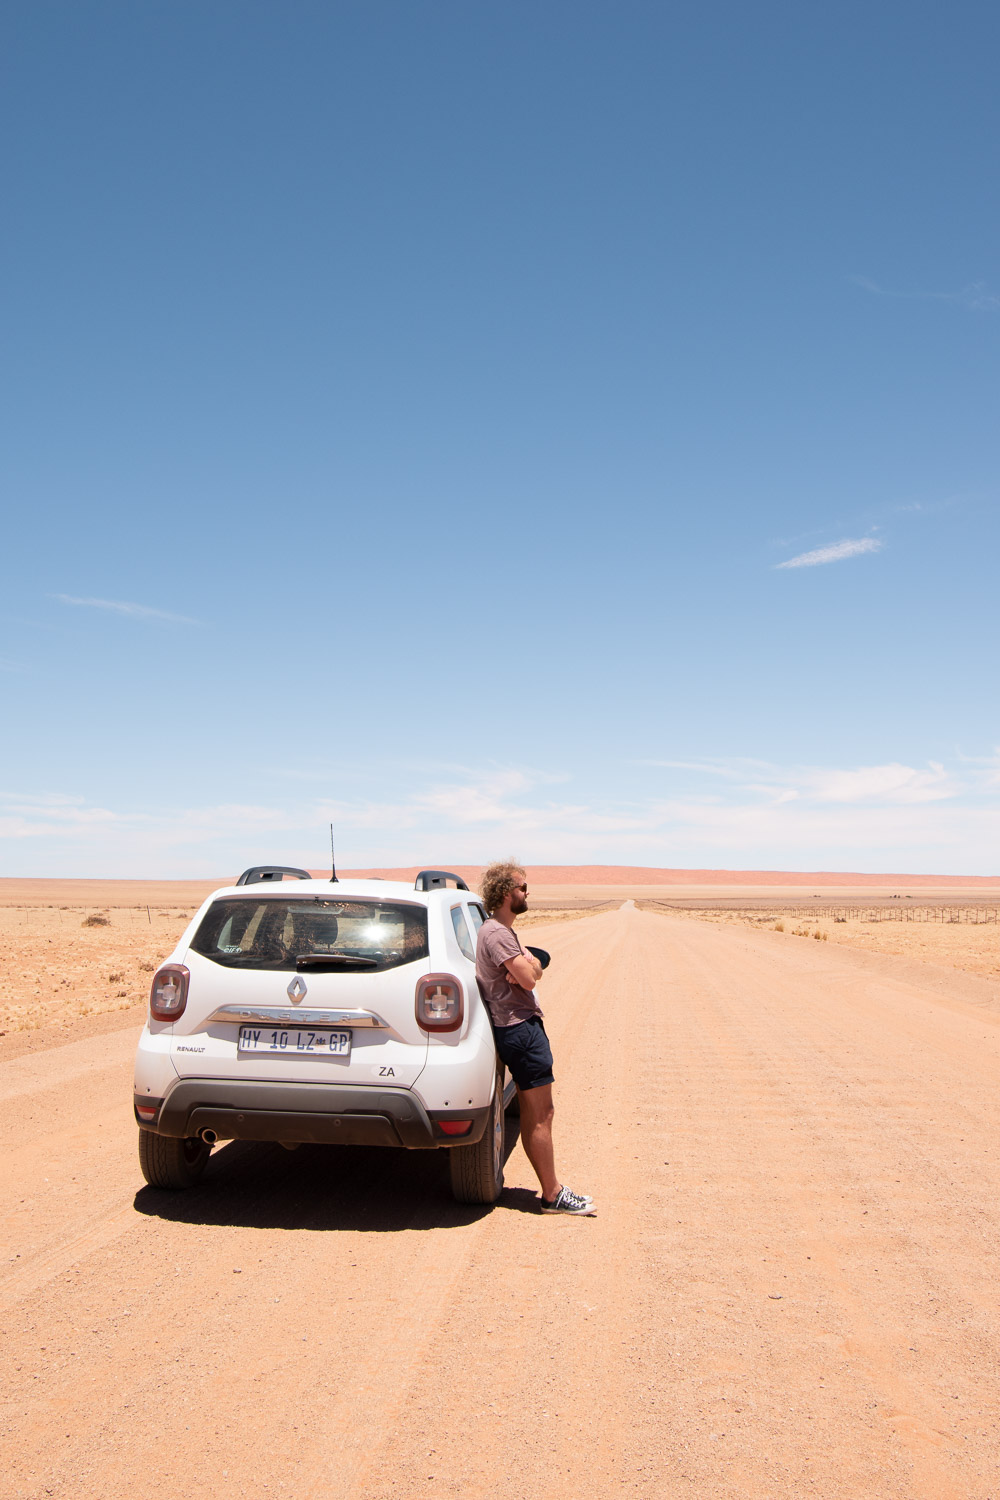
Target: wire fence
[(946, 914), (972, 915)]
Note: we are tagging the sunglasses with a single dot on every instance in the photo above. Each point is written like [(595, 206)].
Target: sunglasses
[(522, 888)]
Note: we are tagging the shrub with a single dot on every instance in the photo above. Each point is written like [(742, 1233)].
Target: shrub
[(95, 921), (779, 926)]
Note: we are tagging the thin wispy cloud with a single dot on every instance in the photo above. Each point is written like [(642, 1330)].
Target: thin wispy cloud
[(975, 296), (124, 607), (702, 767), (837, 552), (888, 783)]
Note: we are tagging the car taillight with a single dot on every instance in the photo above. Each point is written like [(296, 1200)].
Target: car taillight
[(169, 992), (455, 1127), (440, 1003)]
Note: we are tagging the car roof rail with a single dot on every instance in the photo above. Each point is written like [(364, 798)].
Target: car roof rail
[(437, 880), (258, 873)]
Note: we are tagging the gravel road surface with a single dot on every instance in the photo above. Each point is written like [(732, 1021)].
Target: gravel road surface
[(790, 1289)]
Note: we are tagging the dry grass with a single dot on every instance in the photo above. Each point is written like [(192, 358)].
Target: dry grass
[(960, 945), (59, 963), (56, 965)]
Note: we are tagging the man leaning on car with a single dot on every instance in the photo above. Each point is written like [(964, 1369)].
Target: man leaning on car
[(508, 975)]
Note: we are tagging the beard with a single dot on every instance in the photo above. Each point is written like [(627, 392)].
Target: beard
[(518, 903)]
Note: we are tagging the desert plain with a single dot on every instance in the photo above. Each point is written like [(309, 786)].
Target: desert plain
[(789, 1288)]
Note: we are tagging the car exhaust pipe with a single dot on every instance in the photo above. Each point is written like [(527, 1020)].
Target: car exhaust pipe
[(209, 1136)]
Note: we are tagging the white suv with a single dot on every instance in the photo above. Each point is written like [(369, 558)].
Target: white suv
[(335, 1012)]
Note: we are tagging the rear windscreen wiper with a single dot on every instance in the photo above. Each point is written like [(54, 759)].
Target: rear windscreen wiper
[(334, 961)]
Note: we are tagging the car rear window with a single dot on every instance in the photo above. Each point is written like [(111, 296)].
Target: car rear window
[(313, 933)]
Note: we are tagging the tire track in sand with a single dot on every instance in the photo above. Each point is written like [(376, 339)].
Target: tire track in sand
[(790, 1164)]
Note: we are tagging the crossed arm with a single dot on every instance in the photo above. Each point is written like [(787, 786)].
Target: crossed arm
[(524, 970)]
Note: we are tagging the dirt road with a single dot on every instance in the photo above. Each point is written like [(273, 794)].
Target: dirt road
[(791, 1287)]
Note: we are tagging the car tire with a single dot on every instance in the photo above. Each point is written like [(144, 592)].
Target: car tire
[(477, 1171), (170, 1163)]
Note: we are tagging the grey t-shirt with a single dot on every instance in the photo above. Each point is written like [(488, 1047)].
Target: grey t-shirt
[(509, 1003)]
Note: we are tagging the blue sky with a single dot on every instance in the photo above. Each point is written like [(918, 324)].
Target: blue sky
[(562, 428)]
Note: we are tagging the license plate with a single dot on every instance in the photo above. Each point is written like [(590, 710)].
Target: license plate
[(295, 1041)]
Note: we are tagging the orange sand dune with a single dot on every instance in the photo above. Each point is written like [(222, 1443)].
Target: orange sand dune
[(643, 875), (190, 893)]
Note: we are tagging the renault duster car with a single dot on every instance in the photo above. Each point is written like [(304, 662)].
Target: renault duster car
[(296, 1009)]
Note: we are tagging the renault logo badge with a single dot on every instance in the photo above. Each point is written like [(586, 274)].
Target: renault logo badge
[(296, 989)]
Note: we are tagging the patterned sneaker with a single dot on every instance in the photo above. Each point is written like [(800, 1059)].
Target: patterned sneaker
[(567, 1202)]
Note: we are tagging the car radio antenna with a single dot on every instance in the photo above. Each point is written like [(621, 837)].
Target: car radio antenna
[(333, 861)]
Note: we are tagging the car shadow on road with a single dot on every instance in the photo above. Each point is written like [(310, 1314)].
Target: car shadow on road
[(370, 1189)]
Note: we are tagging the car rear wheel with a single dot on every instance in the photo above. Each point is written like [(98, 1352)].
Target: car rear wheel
[(170, 1163), (477, 1171)]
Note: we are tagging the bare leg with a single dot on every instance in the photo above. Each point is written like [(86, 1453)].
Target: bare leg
[(536, 1136)]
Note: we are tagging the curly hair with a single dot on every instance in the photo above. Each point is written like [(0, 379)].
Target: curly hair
[(496, 880)]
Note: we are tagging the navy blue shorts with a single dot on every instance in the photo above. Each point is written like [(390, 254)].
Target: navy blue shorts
[(524, 1050)]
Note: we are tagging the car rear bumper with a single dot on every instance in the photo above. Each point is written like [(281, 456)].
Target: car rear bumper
[(321, 1113)]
